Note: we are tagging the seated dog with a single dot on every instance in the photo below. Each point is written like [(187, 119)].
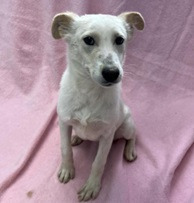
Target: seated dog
[(90, 100)]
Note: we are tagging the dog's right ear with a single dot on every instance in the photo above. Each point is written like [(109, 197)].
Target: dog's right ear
[(62, 23)]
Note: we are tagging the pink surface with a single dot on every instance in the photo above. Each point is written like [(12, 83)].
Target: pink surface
[(158, 86)]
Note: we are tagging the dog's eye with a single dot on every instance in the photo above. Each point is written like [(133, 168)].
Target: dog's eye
[(89, 40), (119, 41)]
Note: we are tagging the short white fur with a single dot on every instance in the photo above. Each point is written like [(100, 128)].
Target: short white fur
[(87, 104)]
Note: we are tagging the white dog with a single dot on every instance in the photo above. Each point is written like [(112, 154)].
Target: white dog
[(90, 100)]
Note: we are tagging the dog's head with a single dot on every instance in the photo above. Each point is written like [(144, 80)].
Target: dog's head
[(97, 42)]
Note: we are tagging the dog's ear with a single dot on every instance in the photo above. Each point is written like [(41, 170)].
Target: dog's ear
[(62, 23), (135, 19)]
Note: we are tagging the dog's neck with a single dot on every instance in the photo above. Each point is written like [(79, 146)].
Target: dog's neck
[(77, 71)]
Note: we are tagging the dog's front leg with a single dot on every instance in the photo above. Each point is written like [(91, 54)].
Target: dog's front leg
[(66, 171), (92, 187)]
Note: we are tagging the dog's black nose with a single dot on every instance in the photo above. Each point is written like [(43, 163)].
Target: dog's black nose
[(110, 74)]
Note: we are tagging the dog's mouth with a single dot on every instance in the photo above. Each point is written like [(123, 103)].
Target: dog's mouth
[(108, 84), (105, 83)]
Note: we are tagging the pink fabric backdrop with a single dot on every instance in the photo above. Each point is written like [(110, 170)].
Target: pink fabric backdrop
[(158, 86)]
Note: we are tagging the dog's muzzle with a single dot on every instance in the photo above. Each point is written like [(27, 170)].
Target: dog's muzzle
[(110, 75)]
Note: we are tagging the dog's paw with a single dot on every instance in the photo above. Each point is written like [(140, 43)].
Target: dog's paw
[(129, 151), (66, 173), (75, 140), (89, 191)]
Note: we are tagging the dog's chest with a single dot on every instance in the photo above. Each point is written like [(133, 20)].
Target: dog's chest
[(90, 115), (87, 108), (91, 131), (91, 120)]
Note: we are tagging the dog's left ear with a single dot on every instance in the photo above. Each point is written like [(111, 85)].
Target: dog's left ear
[(62, 24), (135, 19)]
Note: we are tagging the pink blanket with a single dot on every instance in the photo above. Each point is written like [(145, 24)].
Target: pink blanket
[(158, 86)]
